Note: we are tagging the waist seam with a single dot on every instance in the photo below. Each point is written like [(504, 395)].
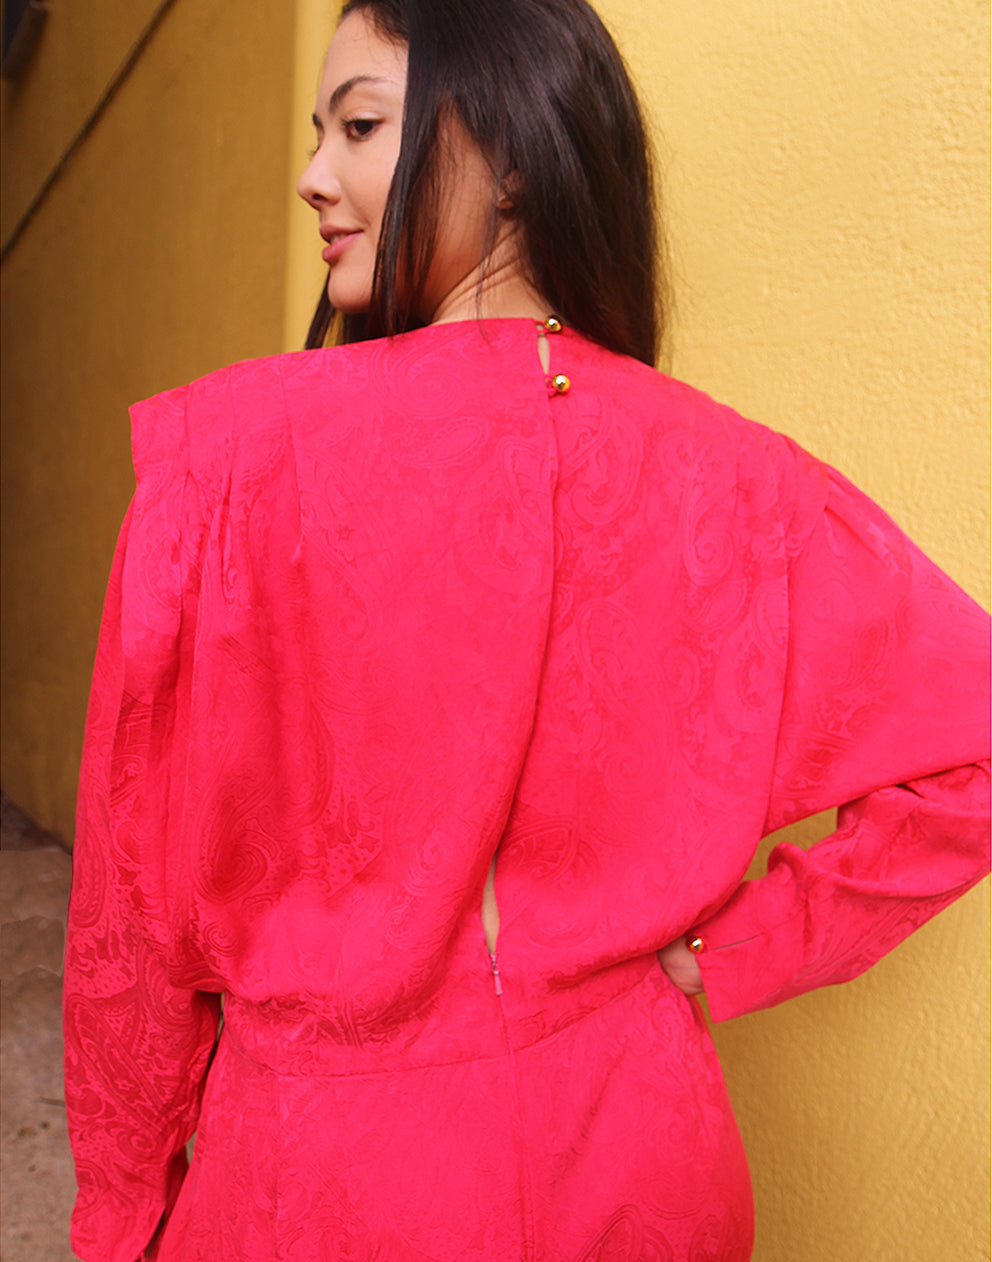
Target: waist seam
[(504, 1053)]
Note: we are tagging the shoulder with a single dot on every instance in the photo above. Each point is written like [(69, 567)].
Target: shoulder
[(723, 466), (194, 424), (680, 415), (433, 370), (659, 399)]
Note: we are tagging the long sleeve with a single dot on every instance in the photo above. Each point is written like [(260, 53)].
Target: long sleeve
[(136, 1046), (885, 715)]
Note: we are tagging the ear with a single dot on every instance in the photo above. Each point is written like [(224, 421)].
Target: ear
[(507, 192)]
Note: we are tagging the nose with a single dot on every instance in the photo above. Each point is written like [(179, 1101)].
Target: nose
[(317, 185)]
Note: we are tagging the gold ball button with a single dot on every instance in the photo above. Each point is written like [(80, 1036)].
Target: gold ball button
[(560, 383), (552, 324), (696, 944)]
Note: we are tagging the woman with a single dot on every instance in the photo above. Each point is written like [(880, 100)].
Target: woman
[(446, 676)]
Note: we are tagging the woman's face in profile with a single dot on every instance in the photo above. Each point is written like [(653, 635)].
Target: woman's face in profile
[(359, 119)]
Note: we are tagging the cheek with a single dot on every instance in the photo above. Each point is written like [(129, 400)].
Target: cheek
[(384, 179)]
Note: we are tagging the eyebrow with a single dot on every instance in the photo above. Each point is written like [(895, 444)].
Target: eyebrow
[(342, 90)]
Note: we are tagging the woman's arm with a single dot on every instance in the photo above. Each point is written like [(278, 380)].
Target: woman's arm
[(136, 1046), (886, 715)]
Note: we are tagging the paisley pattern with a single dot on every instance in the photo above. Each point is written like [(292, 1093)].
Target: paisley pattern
[(381, 612)]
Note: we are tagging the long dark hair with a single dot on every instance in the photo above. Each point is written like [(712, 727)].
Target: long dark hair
[(542, 90)]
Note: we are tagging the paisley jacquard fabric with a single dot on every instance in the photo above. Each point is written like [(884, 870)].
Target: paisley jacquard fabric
[(380, 612)]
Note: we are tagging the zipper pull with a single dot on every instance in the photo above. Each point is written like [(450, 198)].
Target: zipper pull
[(496, 977)]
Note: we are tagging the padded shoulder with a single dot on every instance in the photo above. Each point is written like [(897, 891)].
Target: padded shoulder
[(202, 425)]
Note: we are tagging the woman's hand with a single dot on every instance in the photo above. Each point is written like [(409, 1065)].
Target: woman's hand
[(681, 966)]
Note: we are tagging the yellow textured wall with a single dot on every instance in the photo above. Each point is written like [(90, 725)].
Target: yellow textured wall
[(158, 255), (826, 175), (77, 56)]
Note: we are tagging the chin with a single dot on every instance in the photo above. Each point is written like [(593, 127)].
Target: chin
[(347, 301)]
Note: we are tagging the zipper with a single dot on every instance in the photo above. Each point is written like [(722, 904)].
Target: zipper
[(490, 924), (497, 982), (525, 1173)]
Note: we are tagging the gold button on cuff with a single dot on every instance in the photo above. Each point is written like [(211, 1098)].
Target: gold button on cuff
[(552, 325), (696, 944), (560, 383)]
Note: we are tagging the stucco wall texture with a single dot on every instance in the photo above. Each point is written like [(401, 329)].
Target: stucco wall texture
[(824, 170), (158, 255)]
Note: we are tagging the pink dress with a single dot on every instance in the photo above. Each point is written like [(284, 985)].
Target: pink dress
[(381, 612)]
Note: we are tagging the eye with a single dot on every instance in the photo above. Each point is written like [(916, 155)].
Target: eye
[(359, 128)]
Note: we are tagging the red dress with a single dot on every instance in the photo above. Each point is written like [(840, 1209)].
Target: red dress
[(382, 611)]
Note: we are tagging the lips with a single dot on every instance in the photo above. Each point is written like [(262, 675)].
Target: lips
[(338, 240)]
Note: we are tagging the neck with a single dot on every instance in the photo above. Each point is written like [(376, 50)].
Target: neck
[(498, 291)]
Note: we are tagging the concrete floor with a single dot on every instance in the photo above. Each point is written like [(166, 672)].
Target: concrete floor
[(37, 1184)]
